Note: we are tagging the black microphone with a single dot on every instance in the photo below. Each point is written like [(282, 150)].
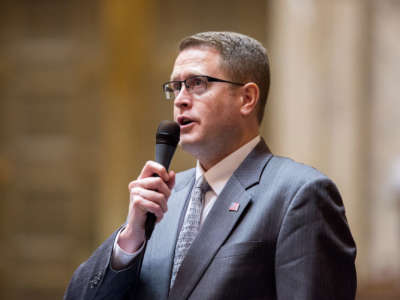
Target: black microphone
[(167, 138)]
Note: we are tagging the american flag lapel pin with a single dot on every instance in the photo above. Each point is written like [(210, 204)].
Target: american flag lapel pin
[(234, 206)]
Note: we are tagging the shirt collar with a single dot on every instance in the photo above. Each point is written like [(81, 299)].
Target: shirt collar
[(218, 175)]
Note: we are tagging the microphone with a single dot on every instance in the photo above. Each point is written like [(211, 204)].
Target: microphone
[(167, 138)]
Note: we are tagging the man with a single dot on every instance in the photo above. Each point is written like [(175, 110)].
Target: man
[(253, 226)]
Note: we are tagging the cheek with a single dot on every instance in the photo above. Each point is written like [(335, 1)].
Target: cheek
[(217, 121), (225, 112), (218, 110), (213, 114)]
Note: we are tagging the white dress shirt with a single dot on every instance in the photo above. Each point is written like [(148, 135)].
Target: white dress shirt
[(217, 177)]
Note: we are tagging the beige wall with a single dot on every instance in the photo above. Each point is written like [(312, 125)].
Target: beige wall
[(81, 100)]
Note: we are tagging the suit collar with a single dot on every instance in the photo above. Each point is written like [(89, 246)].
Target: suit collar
[(218, 175), (250, 171)]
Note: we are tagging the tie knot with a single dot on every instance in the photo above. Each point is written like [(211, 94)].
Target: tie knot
[(202, 184)]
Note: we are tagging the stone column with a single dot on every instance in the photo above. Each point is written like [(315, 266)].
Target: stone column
[(385, 143), (317, 110)]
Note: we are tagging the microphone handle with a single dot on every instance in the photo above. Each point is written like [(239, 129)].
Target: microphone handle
[(164, 153), (150, 221), (149, 226)]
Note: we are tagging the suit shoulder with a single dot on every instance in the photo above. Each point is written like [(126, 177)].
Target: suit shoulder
[(284, 168)]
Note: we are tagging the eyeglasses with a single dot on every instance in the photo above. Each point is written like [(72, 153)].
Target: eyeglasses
[(195, 84)]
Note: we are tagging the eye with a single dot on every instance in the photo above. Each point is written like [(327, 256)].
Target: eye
[(172, 89), (197, 84), (197, 81), (175, 86)]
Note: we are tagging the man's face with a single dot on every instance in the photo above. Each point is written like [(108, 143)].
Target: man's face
[(208, 120)]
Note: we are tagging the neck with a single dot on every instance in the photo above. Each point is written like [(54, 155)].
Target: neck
[(208, 161)]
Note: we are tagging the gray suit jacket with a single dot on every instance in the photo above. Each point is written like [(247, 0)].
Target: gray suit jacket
[(289, 239)]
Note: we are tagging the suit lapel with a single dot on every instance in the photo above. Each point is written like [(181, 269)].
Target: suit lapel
[(220, 222)]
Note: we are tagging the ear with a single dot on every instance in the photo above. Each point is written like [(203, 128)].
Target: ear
[(249, 97)]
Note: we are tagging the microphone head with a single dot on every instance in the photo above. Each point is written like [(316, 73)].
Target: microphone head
[(168, 132)]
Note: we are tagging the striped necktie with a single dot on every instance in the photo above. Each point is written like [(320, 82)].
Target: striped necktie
[(191, 224)]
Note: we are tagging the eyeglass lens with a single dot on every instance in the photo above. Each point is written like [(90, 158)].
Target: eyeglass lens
[(197, 85)]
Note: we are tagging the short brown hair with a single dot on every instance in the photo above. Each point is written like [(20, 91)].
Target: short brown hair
[(243, 58)]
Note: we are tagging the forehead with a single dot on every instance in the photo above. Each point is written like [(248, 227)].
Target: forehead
[(196, 61)]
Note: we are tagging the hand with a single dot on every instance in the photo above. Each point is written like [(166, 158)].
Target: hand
[(147, 194)]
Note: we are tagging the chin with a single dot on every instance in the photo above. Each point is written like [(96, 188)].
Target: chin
[(186, 144), (189, 139), (191, 146)]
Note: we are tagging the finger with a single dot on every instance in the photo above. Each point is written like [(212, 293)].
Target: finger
[(150, 195), (151, 168), (171, 181), (140, 203), (151, 183)]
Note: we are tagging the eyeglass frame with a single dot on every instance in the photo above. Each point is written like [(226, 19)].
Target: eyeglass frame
[(209, 79)]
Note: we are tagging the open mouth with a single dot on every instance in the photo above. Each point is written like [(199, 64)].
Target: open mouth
[(184, 121)]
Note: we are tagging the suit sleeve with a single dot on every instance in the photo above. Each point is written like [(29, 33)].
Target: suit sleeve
[(95, 279), (315, 251)]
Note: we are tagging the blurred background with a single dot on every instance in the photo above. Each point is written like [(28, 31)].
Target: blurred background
[(80, 101)]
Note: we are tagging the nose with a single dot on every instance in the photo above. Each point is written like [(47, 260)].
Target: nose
[(184, 98)]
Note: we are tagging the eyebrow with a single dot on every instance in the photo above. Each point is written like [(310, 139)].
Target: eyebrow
[(174, 78)]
